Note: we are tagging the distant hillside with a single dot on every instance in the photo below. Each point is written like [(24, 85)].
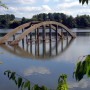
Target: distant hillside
[(17, 18)]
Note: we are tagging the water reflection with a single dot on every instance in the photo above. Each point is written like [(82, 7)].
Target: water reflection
[(39, 50), (82, 68), (40, 70), (0, 62)]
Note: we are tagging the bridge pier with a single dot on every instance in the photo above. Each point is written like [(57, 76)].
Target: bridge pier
[(27, 48), (50, 48), (62, 45), (23, 38), (56, 31), (67, 34), (35, 48), (38, 34), (50, 33), (31, 47), (30, 35), (56, 48), (23, 45), (13, 37), (26, 38), (44, 34), (35, 34)]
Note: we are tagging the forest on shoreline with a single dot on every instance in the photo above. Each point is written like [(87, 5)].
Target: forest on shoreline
[(80, 21)]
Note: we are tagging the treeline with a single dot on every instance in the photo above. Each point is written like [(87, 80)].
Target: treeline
[(69, 21), (9, 21), (5, 20), (83, 21)]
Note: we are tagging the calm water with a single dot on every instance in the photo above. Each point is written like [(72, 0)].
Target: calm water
[(43, 62)]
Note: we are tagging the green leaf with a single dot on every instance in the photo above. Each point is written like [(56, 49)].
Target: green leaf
[(26, 84), (88, 71), (87, 1), (29, 87), (83, 1), (19, 81), (80, 1), (22, 85), (12, 76), (8, 71), (15, 82), (3, 5)]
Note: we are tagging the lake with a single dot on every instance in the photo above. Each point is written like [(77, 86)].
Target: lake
[(43, 62)]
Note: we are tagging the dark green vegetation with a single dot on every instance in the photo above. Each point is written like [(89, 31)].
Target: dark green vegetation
[(7, 21), (22, 82), (84, 1), (69, 21), (82, 68)]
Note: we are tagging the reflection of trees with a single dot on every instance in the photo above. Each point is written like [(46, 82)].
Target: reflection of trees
[(22, 82), (82, 68)]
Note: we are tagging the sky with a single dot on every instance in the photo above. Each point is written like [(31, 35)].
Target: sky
[(28, 8)]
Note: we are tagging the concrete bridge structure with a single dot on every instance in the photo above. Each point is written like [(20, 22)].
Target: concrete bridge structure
[(28, 28)]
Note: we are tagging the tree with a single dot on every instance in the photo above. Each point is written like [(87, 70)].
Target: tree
[(12, 17), (3, 5), (23, 20), (84, 1)]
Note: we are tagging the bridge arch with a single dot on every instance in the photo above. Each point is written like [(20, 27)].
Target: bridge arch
[(8, 35), (34, 27)]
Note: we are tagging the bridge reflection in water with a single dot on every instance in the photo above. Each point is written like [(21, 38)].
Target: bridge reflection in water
[(40, 49)]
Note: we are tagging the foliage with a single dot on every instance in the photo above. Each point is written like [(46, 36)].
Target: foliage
[(3, 5), (14, 24), (62, 85), (5, 20), (18, 81), (82, 68), (69, 21), (83, 1), (83, 21), (24, 83)]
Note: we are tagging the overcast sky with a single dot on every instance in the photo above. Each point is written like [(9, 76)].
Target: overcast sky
[(28, 8)]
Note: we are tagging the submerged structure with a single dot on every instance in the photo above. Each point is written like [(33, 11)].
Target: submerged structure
[(29, 28)]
